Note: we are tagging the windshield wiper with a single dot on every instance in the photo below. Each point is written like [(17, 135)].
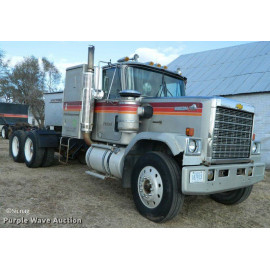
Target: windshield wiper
[(164, 89)]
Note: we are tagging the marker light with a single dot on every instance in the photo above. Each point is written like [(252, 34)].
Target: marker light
[(158, 65), (124, 59), (165, 67), (253, 137), (190, 132)]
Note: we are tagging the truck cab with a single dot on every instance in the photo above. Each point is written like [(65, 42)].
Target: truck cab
[(151, 82)]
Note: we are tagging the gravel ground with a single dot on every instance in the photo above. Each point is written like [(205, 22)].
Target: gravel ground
[(65, 192)]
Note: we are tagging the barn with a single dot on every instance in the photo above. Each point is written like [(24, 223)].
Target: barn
[(241, 73)]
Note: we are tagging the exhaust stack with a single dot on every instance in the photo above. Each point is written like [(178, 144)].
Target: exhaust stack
[(91, 53), (88, 101)]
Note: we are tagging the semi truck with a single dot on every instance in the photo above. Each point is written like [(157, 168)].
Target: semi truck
[(132, 121), (12, 116)]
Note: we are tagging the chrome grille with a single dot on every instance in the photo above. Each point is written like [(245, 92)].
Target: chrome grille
[(232, 134)]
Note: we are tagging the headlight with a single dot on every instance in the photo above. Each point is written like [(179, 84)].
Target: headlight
[(255, 148), (193, 147)]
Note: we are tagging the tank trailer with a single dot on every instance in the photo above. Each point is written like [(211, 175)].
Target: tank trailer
[(132, 121)]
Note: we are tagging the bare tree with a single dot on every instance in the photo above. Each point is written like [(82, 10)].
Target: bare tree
[(51, 75), (2, 63), (5, 92), (25, 82), (29, 79)]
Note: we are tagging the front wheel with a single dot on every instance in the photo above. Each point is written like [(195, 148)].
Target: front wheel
[(232, 197), (156, 187)]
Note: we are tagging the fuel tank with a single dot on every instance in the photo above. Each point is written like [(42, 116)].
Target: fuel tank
[(105, 159)]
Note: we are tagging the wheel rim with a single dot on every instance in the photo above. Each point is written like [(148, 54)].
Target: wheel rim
[(3, 133), (150, 187), (28, 149), (15, 146)]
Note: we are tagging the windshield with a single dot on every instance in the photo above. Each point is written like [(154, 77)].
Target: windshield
[(153, 84)]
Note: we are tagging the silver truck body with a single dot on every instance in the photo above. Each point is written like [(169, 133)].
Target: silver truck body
[(223, 128)]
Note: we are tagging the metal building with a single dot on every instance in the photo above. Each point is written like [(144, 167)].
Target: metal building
[(240, 72)]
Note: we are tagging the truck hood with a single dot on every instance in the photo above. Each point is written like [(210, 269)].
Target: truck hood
[(214, 100)]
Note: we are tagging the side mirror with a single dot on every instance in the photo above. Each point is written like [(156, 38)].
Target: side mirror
[(98, 94), (98, 78)]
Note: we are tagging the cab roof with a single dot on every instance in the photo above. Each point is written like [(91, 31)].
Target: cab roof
[(149, 67)]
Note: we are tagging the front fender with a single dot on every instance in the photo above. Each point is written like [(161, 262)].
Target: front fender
[(175, 142)]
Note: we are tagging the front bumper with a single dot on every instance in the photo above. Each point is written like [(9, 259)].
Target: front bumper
[(221, 183)]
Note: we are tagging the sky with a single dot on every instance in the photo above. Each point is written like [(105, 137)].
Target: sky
[(69, 53)]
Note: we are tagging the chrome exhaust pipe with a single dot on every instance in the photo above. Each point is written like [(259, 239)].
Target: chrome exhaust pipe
[(91, 53), (88, 101)]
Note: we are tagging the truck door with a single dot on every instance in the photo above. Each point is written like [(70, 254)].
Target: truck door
[(106, 111)]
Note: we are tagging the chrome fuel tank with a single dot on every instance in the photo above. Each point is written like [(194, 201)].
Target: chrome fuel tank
[(105, 159)]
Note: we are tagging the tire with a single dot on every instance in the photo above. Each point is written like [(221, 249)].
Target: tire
[(4, 132), (16, 145), (48, 158), (232, 197), (156, 187), (33, 154), (81, 157)]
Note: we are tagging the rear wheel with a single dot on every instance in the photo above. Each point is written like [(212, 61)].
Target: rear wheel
[(16, 145), (33, 154), (156, 187), (48, 158), (4, 132), (232, 197)]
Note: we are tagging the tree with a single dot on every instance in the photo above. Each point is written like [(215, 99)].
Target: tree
[(51, 76), (5, 92), (2, 63), (29, 79)]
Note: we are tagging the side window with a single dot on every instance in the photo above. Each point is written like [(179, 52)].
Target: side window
[(108, 76)]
